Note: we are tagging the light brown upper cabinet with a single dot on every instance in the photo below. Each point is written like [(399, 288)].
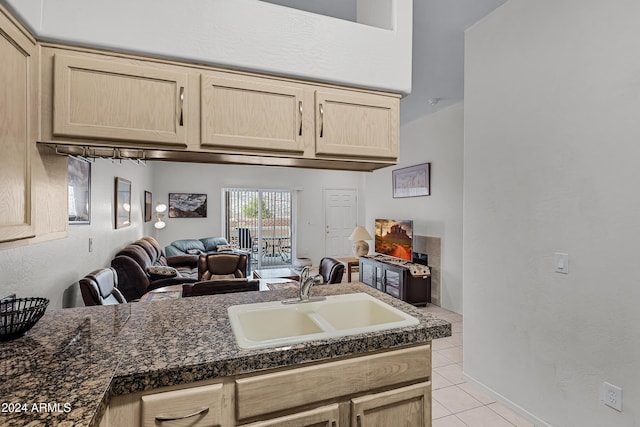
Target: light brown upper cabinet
[(251, 113), (17, 129), (356, 124), (117, 99)]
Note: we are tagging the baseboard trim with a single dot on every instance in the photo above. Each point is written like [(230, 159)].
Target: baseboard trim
[(537, 422)]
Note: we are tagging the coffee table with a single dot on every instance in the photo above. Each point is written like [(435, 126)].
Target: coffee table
[(273, 273)]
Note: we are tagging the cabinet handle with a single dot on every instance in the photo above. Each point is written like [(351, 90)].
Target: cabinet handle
[(321, 120), (358, 420), (181, 105), (200, 411), (300, 109)]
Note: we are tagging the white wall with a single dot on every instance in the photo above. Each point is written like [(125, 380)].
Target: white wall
[(246, 34), (438, 139), (552, 100), (211, 179), (52, 269)]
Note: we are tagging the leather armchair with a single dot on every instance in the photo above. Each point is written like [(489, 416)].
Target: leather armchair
[(331, 270), (100, 287), (222, 266), (212, 287)]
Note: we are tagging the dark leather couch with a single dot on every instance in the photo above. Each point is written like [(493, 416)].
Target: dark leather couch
[(213, 287), (132, 267)]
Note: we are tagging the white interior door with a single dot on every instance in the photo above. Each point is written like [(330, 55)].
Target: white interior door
[(341, 217)]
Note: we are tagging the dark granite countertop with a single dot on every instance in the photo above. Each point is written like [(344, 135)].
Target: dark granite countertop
[(63, 372)]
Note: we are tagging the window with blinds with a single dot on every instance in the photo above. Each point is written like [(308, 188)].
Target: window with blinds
[(260, 222)]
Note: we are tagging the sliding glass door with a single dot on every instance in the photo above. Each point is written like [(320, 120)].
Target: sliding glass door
[(260, 222)]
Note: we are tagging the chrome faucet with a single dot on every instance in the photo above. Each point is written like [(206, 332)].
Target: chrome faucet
[(306, 282)]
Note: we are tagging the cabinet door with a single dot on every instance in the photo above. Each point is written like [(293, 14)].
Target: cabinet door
[(368, 273), (356, 124), (403, 407), (326, 416), (193, 407), (17, 132), (251, 113), (393, 281), (114, 99)]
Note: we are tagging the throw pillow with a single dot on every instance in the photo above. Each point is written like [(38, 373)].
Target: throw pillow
[(194, 251), (157, 272), (224, 248)]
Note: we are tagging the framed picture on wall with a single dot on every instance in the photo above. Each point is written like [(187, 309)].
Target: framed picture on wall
[(187, 205), (412, 181), (122, 202), (79, 191), (147, 206)]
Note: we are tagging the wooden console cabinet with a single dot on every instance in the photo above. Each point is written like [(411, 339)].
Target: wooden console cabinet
[(396, 280)]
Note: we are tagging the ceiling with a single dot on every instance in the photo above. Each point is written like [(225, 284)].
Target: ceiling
[(438, 47)]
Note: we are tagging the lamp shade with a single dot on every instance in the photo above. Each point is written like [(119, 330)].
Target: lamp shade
[(360, 233), (161, 208)]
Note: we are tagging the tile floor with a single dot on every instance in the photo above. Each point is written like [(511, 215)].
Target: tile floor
[(457, 403)]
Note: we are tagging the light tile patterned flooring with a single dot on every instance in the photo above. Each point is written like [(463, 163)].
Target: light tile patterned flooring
[(457, 403)]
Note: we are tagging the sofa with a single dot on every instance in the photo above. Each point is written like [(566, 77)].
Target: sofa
[(195, 247), (206, 245), (142, 266)]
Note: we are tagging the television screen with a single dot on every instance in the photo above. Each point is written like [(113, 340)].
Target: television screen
[(394, 238)]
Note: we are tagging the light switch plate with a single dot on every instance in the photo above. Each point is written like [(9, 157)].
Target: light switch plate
[(561, 262)]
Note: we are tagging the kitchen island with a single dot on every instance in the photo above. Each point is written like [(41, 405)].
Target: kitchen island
[(75, 363)]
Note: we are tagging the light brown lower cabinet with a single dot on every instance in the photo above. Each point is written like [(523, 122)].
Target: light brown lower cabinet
[(381, 389), (407, 406)]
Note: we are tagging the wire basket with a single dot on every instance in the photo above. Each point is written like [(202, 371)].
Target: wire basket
[(18, 315)]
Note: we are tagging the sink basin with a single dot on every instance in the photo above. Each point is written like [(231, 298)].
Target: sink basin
[(272, 324)]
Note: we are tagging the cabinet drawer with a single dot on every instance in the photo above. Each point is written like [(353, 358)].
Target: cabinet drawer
[(197, 406), (282, 390), (326, 416)]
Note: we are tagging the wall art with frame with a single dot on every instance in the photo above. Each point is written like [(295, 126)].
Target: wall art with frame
[(147, 206), (79, 191), (412, 181), (122, 202), (187, 205)]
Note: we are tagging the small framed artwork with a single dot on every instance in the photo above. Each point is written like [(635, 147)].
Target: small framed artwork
[(79, 191), (187, 205), (147, 206), (122, 202), (412, 181)]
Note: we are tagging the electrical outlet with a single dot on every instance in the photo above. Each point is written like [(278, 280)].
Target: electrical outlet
[(90, 244), (612, 396)]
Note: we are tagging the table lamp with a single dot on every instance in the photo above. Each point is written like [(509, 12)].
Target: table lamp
[(359, 235)]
